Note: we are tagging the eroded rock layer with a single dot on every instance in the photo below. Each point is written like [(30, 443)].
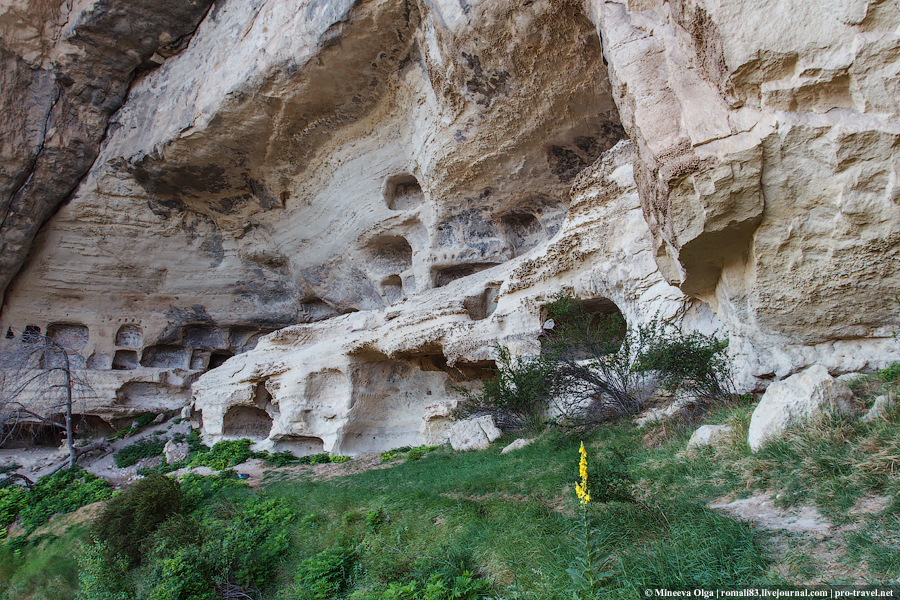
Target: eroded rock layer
[(388, 188)]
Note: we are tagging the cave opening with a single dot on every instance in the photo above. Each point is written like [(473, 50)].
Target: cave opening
[(246, 422)]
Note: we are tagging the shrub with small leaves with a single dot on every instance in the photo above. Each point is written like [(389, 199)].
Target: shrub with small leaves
[(99, 578), (129, 518), (315, 459), (462, 587), (12, 500)]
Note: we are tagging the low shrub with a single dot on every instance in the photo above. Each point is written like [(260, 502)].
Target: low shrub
[(315, 459), (280, 459), (518, 395), (692, 361), (129, 518), (12, 500), (99, 578), (462, 587), (132, 453)]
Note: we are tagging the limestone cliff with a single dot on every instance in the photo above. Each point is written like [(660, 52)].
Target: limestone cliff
[(392, 186)]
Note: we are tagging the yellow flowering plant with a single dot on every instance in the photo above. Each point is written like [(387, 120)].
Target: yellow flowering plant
[(581, 488), (586, 575)]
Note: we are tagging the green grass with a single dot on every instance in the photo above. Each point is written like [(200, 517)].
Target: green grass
[(45, 568), (508, 520)]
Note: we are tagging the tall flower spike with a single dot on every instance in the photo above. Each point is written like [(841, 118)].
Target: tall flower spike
[(581, 488)]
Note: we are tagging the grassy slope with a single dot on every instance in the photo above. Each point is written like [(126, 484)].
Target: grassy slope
[(509, 518)]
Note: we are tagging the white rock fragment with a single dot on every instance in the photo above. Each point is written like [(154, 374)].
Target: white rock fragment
[(879, 409), (516, 445), (796, 399)]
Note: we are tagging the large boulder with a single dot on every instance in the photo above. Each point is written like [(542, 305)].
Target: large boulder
[(798, 398), (473, 434)]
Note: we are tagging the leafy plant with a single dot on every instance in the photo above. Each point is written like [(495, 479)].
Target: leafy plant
[(132, 453), (315, 459), (281, 459), (692, 361), (223, 454), (462, 587), (12, 499), (325, 574), (596, 356), (61, 492), (99, 578)]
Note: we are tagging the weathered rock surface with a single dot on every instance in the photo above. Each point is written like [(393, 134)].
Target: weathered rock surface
[(175, 452), (66, 68), (437, 420), (475, 433), (709, 435), (798, 398), (387, 188)]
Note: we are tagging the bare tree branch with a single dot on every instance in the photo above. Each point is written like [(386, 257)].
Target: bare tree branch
[(37, 376)]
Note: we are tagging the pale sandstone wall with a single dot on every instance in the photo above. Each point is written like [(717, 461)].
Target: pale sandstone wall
[(438, 170)]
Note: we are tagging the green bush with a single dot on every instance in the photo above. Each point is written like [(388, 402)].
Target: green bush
[(200, 488), (889, 374), (223, 455), (517, 396), (461, 587), (242, 544), (129, 518), (132, 453), (315, 459), (195, 443), (98, 578), (280, 459), (687, 359), (591, 367)]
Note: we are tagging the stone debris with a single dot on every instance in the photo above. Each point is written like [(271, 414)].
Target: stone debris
[(175, 451), (761, 511), (516, 445)]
